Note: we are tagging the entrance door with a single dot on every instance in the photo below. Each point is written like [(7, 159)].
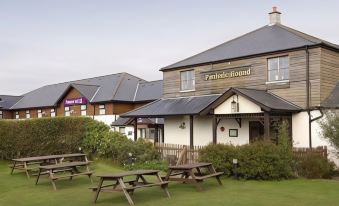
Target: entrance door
[(256, 131)]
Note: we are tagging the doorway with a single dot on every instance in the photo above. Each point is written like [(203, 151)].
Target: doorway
[(256, 131)]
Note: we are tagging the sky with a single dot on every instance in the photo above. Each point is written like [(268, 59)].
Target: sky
[(51, 41)]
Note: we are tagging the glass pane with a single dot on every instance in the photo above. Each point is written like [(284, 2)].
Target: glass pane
[(66, 108), (273, 75), (83, 107), (102, 111), (283, 62), (273, 63), (83, 113), (284, 74)]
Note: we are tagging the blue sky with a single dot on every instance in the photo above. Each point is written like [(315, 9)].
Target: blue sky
[(45, 42)]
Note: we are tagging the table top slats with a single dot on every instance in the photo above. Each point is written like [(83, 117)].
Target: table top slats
[(190, 166), (129, 173), (48, 157), (63, 165)]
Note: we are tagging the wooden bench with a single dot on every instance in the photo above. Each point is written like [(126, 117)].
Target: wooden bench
[(72, 175), (162, 184), (217, 174)]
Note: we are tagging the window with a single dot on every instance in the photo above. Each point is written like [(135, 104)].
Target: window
[(102, 109), (1, 115), (28, 115), (67, 112), (142, 132), (122, 130), (278, 69), (52, 112), (233, 133), (17, 115), (39, 113), (187, 79), (83, 109)]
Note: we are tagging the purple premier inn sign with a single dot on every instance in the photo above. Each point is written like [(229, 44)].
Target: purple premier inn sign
[(75, 101)]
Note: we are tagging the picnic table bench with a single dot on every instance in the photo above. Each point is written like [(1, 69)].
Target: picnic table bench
[(26, 163), (192, 173), (119, 184), (71, 167)]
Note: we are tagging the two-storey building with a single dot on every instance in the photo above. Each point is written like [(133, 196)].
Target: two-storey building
[(103, 98), (243, 89)]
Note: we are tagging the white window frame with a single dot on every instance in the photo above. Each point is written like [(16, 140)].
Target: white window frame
[(39, 113), (83, 109), (187, 80), (17, 116), (102, 110), (28, 114), (67, 111), (122, 128), (279, 70), (1, 114), (52, 113)]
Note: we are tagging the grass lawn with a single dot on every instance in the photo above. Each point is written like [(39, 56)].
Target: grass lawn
[(18, 190)]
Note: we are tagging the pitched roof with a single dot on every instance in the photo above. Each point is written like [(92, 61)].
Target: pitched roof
[(6, 101), (270, 38), (114, 87), (173, 106), (149, 91), (266, 100), (332, 101)]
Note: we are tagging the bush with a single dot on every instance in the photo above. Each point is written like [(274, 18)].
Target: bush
[(314, 166), (260, 160), (43, 136), (220, 155), (152, 165)]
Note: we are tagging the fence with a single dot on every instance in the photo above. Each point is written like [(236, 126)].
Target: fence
[(171, 152)]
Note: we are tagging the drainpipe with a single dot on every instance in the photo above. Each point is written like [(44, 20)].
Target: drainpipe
[(308, 96)]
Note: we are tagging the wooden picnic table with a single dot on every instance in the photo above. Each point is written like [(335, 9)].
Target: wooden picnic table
[(119, 184), (71, 167), (192, 173), (24, 163)]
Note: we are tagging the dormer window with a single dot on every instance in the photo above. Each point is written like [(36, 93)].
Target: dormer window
[(278, 69), (187, 79)]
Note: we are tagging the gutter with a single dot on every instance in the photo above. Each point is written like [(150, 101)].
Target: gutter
[(308, 96)]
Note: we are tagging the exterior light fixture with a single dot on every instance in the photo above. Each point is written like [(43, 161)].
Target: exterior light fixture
[(234, 106), (182, 125)]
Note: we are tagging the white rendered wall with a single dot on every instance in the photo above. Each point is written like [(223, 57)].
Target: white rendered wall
[(202, 130), (107, 119), (174, 134), (245, 106), (243, 132)]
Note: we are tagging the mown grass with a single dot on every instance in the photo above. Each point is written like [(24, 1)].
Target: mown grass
[(18, 190)]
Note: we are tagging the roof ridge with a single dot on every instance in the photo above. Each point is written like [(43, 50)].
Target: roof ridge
[(118, 85), (191, 96), (219, 45), (136, 91)]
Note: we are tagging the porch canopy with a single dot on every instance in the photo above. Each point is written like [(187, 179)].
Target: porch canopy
[(263, 102)]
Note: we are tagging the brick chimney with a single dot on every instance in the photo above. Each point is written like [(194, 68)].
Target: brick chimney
[(274, 16)]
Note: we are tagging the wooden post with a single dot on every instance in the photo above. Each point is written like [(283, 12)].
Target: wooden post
[(214, 130), (135, 129), (162, 134), (191, 132), (266, 125), (156, 133)]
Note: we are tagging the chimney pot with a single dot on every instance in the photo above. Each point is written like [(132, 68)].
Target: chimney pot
[(274, 16)]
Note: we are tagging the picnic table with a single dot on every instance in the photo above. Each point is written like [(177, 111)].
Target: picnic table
[(192, 173), (26, 163), (72, 167), (138, 181)]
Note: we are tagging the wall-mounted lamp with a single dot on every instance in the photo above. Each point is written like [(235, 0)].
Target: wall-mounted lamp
[(235, 105), (182, 125), (222, 129)]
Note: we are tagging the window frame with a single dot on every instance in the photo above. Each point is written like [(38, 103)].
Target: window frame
[(102, 109), (83, 111), (193, 80), (124, 128), (27, 114), (1, 114), (278, 69), (52, 113), (39, 112), (17, 116), (67, 112)]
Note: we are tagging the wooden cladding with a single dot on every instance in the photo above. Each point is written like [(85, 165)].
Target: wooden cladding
[(293, 90)]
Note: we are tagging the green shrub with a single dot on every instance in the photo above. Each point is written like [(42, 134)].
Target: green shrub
[(314, 166), (220, 155), (43, 136)]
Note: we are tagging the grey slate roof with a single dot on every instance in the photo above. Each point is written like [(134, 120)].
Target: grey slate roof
[(149, 91), (268, 101), (173, 106), (201, 105), (124, 121), (114, 87), (7, 101), (266, 39), (332, 101)]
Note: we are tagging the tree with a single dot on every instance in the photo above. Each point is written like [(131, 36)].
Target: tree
[(330, 128)]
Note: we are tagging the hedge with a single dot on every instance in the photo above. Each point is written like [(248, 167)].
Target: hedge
[(43, 136)]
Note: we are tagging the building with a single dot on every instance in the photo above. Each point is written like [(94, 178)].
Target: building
[(103, 98), (243, 89)]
